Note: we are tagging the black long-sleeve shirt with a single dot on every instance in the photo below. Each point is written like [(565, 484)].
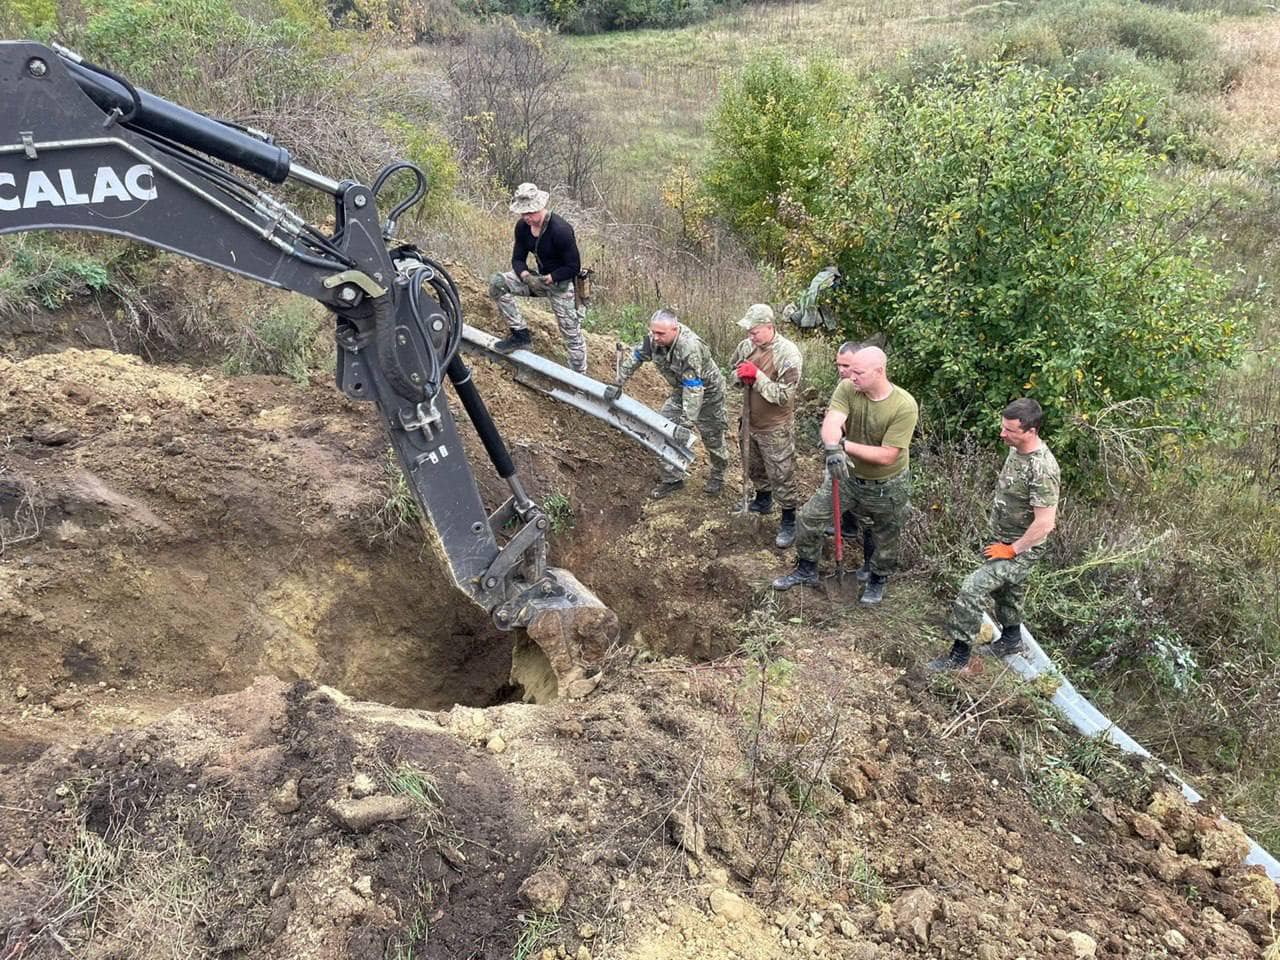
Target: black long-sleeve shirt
[(555, 249)]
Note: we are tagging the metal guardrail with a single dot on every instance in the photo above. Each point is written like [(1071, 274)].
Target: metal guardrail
[(1091, 722), (649, 429)]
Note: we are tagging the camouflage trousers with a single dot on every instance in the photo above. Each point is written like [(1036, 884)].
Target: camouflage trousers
[(881, 508), (1002, 582), (771, 464), (711, 426), (505, 287)]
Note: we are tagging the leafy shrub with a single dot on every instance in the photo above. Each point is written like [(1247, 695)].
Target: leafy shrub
[(773, 131), (594, 16), (29, 19), (425, 145), (285, 340), (1168, 54), (1006, 236), (38, 272)]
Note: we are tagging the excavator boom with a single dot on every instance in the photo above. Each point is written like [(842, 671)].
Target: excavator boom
[(82, 149)]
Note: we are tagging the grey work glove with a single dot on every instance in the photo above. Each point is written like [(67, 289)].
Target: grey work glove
[(684, 436), (613, 393), (837, 462)]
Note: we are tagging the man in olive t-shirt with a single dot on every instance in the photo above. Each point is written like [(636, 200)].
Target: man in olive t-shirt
[(867, 436), (1024, 512)]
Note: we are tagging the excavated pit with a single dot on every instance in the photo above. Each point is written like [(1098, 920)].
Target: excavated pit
[(171, 533)]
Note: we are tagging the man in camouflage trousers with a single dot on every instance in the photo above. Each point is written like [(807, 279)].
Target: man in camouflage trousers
[(868, 425), (1024, 511), (697, 394), (549, 237), (767, 366)]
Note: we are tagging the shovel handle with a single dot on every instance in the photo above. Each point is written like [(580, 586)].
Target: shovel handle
[(835, 511)]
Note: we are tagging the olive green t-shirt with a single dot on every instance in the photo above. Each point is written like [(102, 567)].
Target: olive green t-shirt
[(888, 422)]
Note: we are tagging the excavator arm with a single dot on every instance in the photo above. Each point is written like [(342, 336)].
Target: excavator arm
[(82, 149)]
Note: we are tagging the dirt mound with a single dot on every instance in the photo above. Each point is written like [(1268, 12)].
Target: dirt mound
[(171, 534), (825, 808)]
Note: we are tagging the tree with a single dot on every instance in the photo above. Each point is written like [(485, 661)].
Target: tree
[(514, 114), (774, 130), (1009, 235)]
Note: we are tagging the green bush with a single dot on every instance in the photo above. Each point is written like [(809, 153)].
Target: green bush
[(40, 272), (1171, 56), (28, 19), (1006, 236), (427, 146), (773, 131), (286, 340), (595, 16)]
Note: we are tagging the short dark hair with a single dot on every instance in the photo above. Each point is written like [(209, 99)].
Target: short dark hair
[(1027, 412), (849, 346)]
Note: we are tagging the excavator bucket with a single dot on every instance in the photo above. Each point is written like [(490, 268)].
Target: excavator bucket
[(568, 630)]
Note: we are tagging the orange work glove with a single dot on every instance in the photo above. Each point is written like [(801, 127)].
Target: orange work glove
[(999, 551)]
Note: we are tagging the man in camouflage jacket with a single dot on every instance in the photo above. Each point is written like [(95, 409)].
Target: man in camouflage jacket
[(1024, 511), (767, 366), (697, 394)]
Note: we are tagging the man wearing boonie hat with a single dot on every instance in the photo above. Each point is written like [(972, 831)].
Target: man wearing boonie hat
[(767, 366), (550, 239)]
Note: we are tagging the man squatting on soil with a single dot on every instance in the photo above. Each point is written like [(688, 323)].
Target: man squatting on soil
[(768, 366), (1024, 511), (696, 398), (555, 249), (868, 424)]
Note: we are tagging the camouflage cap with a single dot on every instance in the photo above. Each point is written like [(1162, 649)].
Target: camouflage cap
[(528, 199), (757, 315)]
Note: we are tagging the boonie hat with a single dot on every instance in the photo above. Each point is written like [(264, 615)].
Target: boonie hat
[(528, 199), (757, 315)]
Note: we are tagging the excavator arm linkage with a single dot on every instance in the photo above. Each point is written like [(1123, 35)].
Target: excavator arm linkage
[(82, 149)]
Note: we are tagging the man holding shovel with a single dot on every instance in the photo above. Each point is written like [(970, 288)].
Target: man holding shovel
[(867, 436), (767, 366)]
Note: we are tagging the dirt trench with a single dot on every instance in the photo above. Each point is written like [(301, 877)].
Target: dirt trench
[(173, 533)]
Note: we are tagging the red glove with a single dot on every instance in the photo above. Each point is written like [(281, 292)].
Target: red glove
[(999, 551), (748, 371)]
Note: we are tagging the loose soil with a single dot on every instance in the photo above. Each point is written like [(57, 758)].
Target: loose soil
[(243, 716)]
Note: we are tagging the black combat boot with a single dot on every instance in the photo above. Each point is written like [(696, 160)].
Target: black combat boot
[(1007, 644), (873, 592), (805, 574), (666, 488), (868, 551), (519, 340), (786, 529), (763, 503), (956, 659)]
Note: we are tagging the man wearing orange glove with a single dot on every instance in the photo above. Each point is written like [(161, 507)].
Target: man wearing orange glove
[(1023, 514)]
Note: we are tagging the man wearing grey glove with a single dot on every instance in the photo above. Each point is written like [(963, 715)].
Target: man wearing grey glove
[(837, 463), (869, 421), (697, 394)]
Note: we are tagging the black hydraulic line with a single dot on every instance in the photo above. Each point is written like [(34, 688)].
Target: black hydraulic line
[(460, 377), (126, 116), (156, 115)]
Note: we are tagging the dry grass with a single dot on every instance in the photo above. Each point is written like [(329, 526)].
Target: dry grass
[(1252, 106)]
